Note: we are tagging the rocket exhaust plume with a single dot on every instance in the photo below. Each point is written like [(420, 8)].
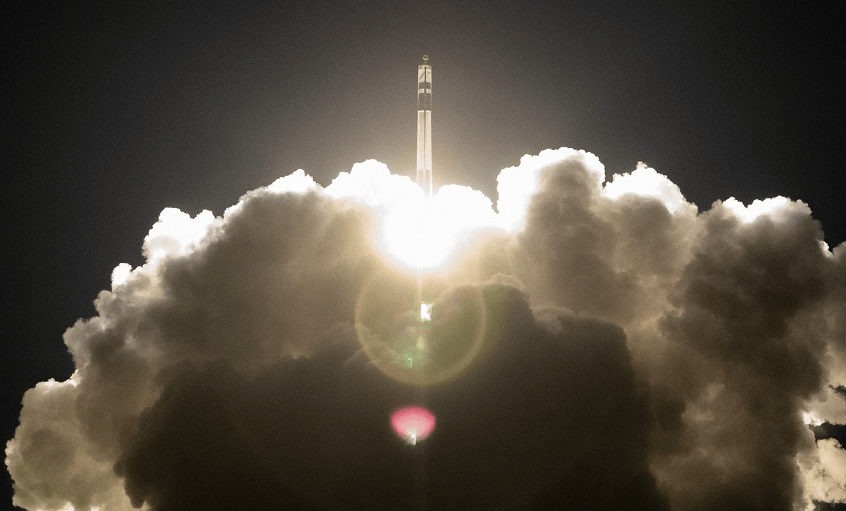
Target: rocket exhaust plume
[(424, 126)]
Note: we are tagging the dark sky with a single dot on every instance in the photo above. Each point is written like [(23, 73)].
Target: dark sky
[(113, 112)]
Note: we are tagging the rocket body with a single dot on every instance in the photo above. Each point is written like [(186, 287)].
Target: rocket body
[(424, 126)]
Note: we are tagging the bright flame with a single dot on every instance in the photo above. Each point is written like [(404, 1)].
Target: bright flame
[(424, 233), (411, 235)]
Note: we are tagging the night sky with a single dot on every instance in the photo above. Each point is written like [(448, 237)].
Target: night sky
[(114, 112)]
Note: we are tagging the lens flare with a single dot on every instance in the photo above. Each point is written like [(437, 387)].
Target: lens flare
[(413, 423), (419, 333)]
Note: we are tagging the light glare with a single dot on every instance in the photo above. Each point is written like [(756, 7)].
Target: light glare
[(412, 423), (423, 233)]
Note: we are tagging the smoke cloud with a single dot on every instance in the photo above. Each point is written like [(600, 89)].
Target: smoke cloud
[(593, 344)]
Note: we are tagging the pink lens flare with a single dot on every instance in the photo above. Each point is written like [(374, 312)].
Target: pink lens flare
[(412, 423)]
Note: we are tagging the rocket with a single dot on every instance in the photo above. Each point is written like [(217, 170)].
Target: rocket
[(424, 126)]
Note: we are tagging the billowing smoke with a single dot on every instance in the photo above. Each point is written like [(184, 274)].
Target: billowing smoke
[(592, 345)]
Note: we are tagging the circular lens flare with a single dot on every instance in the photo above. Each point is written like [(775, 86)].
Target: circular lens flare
[(419, 332), (412, 423)]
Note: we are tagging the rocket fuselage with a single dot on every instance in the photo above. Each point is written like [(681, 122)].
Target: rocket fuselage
[(424, 126)]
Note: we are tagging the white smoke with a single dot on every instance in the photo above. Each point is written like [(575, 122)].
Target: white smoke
[(688, 345)]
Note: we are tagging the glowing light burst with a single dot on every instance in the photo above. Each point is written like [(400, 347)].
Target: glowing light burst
[(419, 232), (413, 423), (411, 235), (425, 232)]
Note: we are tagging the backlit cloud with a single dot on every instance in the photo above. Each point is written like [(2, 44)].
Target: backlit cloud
[(588, 345)]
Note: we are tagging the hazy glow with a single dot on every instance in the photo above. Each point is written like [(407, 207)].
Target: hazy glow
[(423, 233), (412, 236), (413, 423)]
